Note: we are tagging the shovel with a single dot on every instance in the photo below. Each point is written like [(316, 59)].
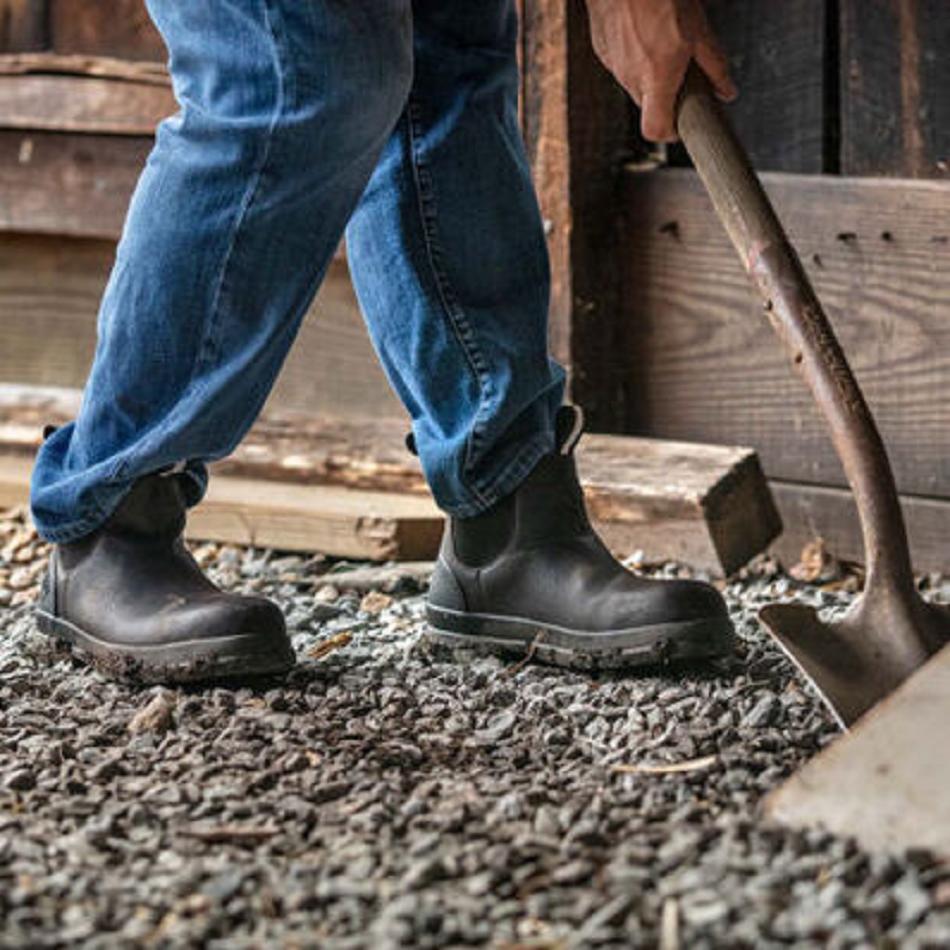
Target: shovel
[(889, 631)]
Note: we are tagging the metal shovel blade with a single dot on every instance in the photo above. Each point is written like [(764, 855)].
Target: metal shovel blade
[(890, 631), (856, 661)]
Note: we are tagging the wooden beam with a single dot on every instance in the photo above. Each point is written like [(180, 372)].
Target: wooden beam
[(368, 454), (23, 25), (704, 505), (812, 511), (66, 183), (576, 124), (895, 88), (80, 64), (699, 362), (885, 783), (374, 526), (68, 104)]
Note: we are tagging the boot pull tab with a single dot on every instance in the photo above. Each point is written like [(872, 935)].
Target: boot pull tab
[(568, 428)]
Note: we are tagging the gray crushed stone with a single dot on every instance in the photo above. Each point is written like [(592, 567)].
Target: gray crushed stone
[(388, 794)]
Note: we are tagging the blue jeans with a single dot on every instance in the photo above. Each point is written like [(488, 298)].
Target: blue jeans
[(394, 120)]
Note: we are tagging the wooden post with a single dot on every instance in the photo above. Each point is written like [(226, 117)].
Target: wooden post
[(23, 25), (578, 131), (895, 88)]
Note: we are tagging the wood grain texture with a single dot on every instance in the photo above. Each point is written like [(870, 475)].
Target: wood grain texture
[(68, 104), (778, 59), (80, 64), (813, 511), (895, 87), (50, 288), (700, 363), (546, 132), (366, 525), (576, 124), (119, 28), (23, 25), (65, 183)]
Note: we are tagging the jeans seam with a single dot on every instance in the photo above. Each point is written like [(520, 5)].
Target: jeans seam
[(205, 350), (204, 353), (462, 329)]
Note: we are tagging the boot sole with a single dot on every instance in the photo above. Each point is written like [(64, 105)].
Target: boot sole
[(658, 644), (187, 662)]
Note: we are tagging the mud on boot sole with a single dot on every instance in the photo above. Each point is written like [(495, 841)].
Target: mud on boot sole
[(655, 645), (186, 662)]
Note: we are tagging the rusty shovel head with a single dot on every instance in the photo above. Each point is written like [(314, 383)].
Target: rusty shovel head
[(856, 661)]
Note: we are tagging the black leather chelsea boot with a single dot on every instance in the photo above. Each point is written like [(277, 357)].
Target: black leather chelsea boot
[(132, 597), (531, 570)]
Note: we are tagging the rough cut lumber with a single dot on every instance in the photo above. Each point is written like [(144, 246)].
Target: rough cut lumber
[(700, 362), (108, 67), (886, 782), (895, 88), (70, 104), (708, 506), (376, 526)]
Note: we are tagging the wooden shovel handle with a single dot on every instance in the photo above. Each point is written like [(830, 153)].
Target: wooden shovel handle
[(797, 316)]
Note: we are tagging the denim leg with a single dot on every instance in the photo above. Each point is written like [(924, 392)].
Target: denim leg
[(449, 261), (285, 107)]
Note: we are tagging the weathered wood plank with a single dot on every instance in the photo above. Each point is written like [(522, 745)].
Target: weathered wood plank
[(66, 183), (50, 288), (120, 28), (577, 131), (813, 511), (886, 782), (68, 104), (778, 59), (705, 505), (895, 87), (545, 118), (700, 363), (23, 25), (79, 64), (376, 526)]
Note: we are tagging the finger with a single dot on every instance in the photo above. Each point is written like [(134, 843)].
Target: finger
[(657, 118), (714, 63)]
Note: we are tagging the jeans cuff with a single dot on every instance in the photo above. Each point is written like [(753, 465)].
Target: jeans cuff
[(505, 481)]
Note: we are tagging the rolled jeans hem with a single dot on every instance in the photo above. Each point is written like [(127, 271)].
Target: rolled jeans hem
[(100, 513), (506, 481)]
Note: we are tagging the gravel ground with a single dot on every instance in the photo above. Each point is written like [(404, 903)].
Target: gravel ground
[(385, 794)]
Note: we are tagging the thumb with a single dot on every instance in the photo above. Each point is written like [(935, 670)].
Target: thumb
[(658, 115)]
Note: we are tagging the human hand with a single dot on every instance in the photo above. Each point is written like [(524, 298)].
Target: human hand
[(648, 45)]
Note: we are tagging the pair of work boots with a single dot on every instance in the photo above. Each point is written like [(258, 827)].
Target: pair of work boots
[(530, 573)]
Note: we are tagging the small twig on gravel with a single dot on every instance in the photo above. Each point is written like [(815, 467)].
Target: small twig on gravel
[(670, 925), (221, 834), (516, 668), (690, 765), (324, 647)]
